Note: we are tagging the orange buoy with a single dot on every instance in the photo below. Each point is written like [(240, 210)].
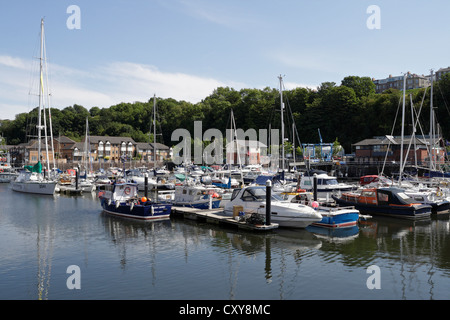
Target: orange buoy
[(143, 199)]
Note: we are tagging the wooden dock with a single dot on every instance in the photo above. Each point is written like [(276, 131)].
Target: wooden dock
[(217, 216)]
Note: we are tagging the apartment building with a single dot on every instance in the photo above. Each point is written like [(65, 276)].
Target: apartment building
[(413, 81)]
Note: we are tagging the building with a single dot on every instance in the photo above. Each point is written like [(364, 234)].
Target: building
[(413, 81), (388, 148), (441, 72), (145, 150), (64, 148), (244, 152), (112, 148), (102, 148)]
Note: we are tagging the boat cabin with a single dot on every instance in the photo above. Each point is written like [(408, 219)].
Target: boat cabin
[(381, 196), (368, 179)]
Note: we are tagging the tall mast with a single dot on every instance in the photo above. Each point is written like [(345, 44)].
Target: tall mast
[(41, 90), (154, 130), (432, 167), (282, 121), (403, 129)]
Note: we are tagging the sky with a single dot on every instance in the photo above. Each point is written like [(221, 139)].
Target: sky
[(108, 52)]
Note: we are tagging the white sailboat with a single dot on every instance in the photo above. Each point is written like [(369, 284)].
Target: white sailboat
[(32, 180)]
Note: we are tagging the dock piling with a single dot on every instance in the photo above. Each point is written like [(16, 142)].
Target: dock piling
[(268, 200)]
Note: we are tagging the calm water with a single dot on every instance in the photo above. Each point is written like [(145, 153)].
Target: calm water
[(41, 236)]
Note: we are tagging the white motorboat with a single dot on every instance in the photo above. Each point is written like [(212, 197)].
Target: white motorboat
[(326, 184), (252, 199)]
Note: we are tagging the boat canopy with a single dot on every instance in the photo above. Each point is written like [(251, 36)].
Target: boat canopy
[(394, 196)]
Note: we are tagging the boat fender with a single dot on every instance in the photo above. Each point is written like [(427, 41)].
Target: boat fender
[(117, 204), (132, 206), (109, 202)]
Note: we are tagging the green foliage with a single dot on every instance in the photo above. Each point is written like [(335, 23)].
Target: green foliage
[(350, 112)]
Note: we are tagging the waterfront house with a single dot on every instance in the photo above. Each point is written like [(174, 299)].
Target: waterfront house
[(112, 148), (146, 151), (379, 149), (63, 148), (248, 151)]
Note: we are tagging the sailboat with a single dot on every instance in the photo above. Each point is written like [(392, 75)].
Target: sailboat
[(32, 179), (85, 183)]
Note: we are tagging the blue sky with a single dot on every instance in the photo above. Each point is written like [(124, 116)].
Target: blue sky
[(129, 50)]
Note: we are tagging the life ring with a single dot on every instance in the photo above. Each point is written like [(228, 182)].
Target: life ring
[(127, 190)]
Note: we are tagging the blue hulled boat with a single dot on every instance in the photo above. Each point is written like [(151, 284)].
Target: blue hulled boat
[(332, 217), (123, 201), (338, 217)]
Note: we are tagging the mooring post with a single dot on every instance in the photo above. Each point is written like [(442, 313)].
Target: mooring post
[(268, 200), (146, 184), (77, 175), (315, 186)]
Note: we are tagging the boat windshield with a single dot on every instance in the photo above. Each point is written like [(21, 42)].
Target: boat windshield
[(259, 194), (331, 182)]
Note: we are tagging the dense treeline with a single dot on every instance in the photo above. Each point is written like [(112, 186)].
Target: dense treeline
[(348, 113)]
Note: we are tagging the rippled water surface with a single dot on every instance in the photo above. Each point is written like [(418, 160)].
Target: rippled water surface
[(41, 236)]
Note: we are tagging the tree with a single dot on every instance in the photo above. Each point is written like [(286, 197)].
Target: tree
[(363, 86)]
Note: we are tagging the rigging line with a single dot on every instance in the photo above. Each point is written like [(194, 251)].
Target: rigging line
[(443, 98), (392, 133), (293, 120)]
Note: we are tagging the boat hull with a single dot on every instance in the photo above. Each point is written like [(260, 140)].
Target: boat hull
[(293, 222), (343, 219), (200, 204), (36, 187), (153, 211), (415, 211)]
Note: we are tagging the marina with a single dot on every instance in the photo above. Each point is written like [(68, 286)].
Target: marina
[(107, 211)]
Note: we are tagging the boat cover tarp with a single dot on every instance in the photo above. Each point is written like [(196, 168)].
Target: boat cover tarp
[(36, 168)]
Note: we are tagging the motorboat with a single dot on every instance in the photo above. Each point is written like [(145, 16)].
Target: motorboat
[(196, 196), (123, 200), (387, 201), (332, 216), (252, 199), (326, 184)]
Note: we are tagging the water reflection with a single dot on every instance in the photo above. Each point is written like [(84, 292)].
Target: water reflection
[(181, 259)]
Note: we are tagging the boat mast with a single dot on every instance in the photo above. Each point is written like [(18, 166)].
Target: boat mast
[(403, 129), (154, 131), (41, 90), (431, 165), (282, 121)]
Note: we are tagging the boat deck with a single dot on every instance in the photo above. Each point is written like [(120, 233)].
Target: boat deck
[(216, 216)]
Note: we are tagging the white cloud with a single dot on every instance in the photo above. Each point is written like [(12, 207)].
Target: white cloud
[(102, 86), (222, 13), (9, 61)]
